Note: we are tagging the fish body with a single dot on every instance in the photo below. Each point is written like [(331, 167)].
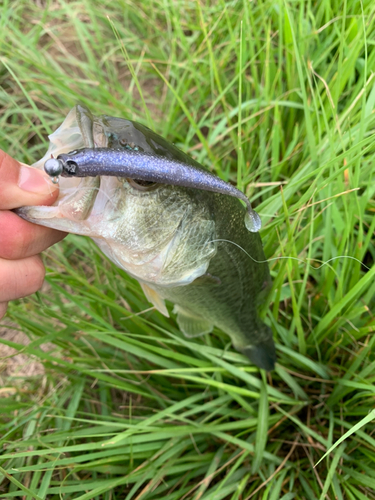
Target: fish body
[(181, 243)]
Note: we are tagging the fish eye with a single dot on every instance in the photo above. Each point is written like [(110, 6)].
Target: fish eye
[(140, 185)]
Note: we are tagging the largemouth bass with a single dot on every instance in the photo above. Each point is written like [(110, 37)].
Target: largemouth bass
[(185, 241)]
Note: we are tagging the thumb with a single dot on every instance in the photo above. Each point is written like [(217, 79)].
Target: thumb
[(21, 185)]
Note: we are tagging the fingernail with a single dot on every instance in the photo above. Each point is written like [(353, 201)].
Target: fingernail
[(32, 179)]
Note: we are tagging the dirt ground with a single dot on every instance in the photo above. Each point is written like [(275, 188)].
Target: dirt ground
[(12, 364)]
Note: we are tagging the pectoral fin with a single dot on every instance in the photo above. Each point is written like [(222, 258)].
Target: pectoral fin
[(207, 279), (190, 325), (155, 299)]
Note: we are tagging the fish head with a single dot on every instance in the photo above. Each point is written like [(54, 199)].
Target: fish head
[(160, 234)]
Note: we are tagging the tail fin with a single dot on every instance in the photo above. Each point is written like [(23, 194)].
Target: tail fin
[(262, 354)]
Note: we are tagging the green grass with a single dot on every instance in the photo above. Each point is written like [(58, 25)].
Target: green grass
[(280, 98)]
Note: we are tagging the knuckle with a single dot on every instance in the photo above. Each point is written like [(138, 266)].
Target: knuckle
[(20, 278), (20, 244), (14, 239), (7, 250), (15, 246)]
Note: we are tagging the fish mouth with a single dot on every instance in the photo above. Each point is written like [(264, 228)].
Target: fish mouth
[(77, 131)]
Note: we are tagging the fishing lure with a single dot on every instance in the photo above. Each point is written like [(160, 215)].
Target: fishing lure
[(146, 167)]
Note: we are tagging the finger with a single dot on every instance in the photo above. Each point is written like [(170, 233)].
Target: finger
[(21, 185), (3, 309), (20, 239), (19, 278)]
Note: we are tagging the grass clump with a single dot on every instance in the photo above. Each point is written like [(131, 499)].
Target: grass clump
[(278, 97)]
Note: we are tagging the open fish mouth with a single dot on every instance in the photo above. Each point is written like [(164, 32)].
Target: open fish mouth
[(76, 132)]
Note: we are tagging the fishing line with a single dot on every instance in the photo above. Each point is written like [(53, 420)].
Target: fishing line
[(293, 258), (252, 258)]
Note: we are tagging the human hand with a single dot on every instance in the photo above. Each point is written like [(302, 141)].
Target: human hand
[(21, 268)]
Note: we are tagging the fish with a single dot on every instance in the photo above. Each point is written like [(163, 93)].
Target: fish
[(156, 213)]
